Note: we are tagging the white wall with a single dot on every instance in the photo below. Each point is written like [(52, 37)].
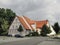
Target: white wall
[(52, 30), (39, 31), (14, 26), (34, 26)]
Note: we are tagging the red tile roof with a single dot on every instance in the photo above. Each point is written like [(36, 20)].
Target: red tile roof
[(30, 22), (39, 24), (23, 23)]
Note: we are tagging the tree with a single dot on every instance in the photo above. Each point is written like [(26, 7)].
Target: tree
[(10, 15), (56, 27), (45, 30), (20, 29), (2, 12), (6, 18), (5, 26)]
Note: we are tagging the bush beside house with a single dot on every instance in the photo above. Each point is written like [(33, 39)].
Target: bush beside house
[(56, 27), (20, 29), (45, 30), (33, 34)]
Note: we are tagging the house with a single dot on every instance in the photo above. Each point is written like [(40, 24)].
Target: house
[(28, 26)]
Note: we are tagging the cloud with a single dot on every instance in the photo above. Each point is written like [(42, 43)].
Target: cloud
[(35, 9), (50, 11)]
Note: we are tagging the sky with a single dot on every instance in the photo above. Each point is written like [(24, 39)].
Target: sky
[(35, 9)]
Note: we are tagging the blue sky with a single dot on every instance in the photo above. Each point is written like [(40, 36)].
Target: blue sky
[(35, 9)]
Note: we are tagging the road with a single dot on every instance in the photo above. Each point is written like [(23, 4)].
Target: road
[(35, 41)]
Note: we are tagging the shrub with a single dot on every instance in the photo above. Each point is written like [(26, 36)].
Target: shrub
[(45, 30), (34, 34), (20, 29), (56, 27)]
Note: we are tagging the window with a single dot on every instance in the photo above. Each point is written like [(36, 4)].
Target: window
[(13, 27), (16, 20), (16, 26)]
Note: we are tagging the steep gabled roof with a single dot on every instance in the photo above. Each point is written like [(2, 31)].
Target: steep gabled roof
[(29, 20), (23, 23), (39, 24)]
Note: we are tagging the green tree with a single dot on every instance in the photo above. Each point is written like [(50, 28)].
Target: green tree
[(56, 27), (2, 12), (6, 18), (45, 30), (10, 15), (20, 29), (4, 27)]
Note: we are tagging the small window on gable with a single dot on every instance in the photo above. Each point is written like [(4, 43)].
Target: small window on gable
[(13, 27), (16, 26), (16, 19)]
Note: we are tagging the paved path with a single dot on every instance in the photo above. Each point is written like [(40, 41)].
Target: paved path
[(4, 39), (35, 41)]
